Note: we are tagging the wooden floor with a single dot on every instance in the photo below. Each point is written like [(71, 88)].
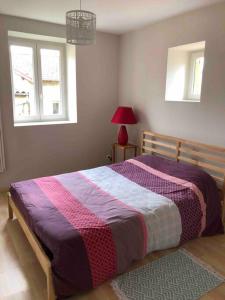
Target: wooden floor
[(21, 277)]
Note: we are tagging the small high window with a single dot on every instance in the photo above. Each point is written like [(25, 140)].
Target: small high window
[(195, 76), (185, 68)]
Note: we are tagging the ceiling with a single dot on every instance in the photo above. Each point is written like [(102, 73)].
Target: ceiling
[(115, 16)]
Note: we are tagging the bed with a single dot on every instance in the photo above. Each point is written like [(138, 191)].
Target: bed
[(86, 227)]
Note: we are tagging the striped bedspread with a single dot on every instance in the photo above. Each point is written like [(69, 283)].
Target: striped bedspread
[(94, 223)]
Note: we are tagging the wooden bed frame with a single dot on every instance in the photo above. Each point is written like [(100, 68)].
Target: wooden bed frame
[(36, 246), (210, 158), (207, 157)]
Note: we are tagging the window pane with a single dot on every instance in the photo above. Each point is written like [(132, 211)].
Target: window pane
[(198, 70), (23, 81), (51, 82)]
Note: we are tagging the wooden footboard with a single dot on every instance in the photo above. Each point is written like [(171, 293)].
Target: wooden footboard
[(36, 246)]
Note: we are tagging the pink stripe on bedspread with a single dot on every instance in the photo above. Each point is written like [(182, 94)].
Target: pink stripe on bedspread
[(96, 235), (120, 203), (178, 181)]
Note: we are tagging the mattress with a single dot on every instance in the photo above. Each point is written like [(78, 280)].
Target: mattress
[(94, 223)]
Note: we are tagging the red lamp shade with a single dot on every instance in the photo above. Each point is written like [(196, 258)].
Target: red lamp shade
[(123, 115)]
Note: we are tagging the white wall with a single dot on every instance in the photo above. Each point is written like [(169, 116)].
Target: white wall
[(43, 150), (138, 62), (142, 82)]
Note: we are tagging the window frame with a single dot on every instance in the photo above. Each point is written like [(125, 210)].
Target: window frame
[(194, 55), (37, 45)]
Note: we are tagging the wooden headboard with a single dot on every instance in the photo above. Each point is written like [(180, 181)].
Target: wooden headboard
[(208, 157)]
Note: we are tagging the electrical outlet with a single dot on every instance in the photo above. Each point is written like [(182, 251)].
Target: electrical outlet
[(109, 157)]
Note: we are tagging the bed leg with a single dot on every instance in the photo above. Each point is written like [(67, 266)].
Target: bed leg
[(223, 212), (50, 286), (10, 211)]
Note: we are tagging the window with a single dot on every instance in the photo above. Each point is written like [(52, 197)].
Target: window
[(185, 66), (195, 76), (38, 72)]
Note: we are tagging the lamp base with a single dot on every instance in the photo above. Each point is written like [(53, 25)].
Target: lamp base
[(122, 136)]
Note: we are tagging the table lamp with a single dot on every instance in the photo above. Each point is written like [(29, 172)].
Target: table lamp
[(123, 115)]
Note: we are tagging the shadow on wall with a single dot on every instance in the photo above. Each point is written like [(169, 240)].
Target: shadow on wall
[(136, 130)]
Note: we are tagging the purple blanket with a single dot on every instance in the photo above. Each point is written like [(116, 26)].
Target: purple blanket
[(94, 223)]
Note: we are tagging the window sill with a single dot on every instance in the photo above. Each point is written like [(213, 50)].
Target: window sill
[(43, 123), (179, 101)]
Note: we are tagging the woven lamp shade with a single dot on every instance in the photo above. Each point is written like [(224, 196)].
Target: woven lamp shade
[(80, 27)]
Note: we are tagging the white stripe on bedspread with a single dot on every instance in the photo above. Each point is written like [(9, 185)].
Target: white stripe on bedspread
[(161, 215)]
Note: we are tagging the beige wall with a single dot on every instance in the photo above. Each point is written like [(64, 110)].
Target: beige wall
[(43, 150), (142, 81), (137, 61)]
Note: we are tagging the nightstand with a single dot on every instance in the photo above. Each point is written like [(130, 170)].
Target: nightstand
[(124, 148)]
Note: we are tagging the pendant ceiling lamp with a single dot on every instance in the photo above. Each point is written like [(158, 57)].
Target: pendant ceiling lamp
[(80, 27)]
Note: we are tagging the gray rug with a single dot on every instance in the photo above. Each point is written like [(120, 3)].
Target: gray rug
[(177, 276)]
